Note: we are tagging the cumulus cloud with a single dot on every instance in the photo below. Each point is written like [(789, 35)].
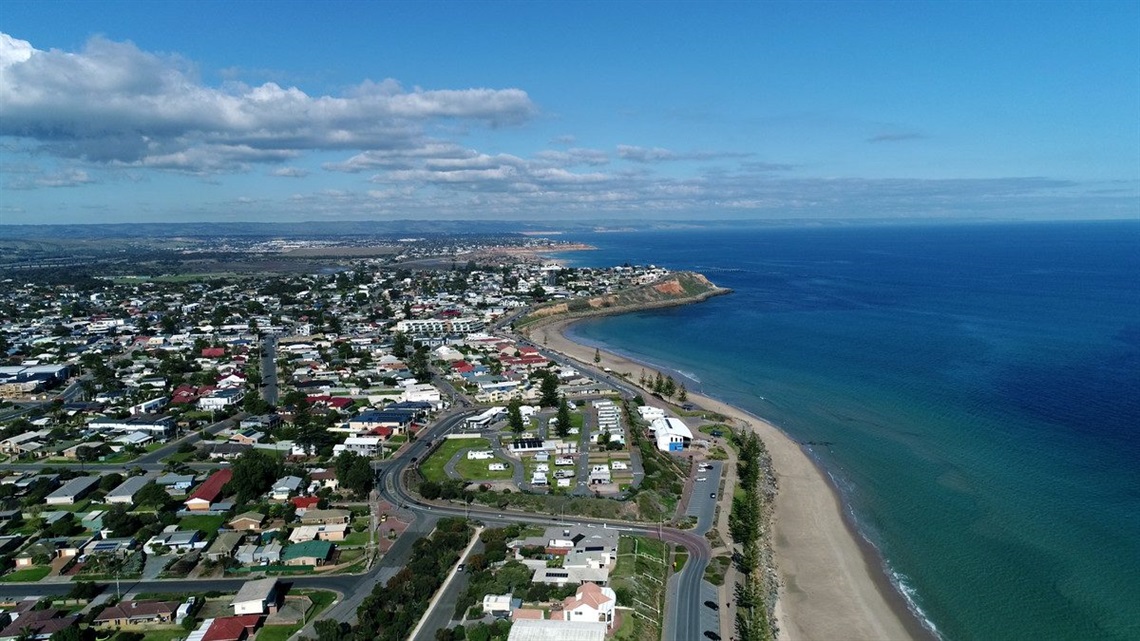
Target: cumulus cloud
[(114, 103), (637, 154), (290, 172)]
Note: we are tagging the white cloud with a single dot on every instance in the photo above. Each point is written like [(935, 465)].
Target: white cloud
[(290, 172), (37, 179), (637, 154), (113, 103)]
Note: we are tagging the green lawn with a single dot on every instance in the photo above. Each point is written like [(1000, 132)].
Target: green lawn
[(152, 634), (277, 632), (641, 576), (208, 523), (28, 575), (478, 470), (356, 538), (432, 467)]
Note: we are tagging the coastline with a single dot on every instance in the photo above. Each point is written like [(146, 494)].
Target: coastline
[(832, 582)]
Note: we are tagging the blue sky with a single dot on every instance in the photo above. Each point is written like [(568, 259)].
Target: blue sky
[(122, 112)]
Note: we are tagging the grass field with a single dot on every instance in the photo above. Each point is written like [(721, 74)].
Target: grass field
[(641, 571), (205, 523), (477, 470), (154, 633), (432, 467), (28, 575), (356, 538)]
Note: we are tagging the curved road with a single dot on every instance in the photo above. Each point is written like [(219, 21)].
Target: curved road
[(682, 621), (682, 616)]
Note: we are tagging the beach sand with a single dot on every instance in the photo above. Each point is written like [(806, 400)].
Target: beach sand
[(831, 584)]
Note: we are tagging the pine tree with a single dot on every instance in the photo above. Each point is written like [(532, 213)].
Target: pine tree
[(514, 416), (563, 428)]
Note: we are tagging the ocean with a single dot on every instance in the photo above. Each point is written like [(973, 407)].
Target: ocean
[(972, 389)]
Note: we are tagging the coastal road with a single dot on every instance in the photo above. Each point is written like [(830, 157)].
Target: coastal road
[(682, 621)]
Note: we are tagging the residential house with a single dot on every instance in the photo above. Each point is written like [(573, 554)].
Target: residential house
[(268, 554), (247, 436), (137, 613), (176, 540), (247, 521), (285, 487), (326, 478), (73, 491), (38, 624), (590, 603), (236, 628), (226, 451), (161, 427), (362, 445), (311, 553), (326, 517), (329, 532), (256, 597), (224, 545), (125, 491), (210, 491), (498, 605), (221, 399), (175, 483)]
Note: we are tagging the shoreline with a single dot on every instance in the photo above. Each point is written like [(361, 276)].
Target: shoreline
[(832, 581)]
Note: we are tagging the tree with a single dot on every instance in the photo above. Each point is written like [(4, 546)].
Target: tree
[(330, 630), (597, 355), (153, 494), (682, 393), (110, 481), (549, 389), (563, 428), (253, 474), (354, 472), (514, 416)]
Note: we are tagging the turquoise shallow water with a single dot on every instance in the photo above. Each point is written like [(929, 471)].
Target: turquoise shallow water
[(973, 390)]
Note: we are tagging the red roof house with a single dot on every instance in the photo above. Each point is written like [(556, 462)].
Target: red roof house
[(305, 502), (209, 492), (213, 352), (236, 628)]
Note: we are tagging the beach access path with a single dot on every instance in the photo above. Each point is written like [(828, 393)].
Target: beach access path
[(830, 586)]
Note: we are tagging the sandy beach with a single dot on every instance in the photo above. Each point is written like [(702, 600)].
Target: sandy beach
[(831, 584)]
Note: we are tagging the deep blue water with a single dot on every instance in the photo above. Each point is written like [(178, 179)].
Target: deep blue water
[(977, 388)]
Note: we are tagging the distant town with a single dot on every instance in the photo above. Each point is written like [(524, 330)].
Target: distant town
[(351, 440)]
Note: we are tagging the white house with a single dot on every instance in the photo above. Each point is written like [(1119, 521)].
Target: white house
[(479, 455), (256, 597), (497, 605), (285, 487), (362, 445), (497, 467), (591, 603), (671, 434)]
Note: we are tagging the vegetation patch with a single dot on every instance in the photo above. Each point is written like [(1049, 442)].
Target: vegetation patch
[(432, 467), (27, 575)]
